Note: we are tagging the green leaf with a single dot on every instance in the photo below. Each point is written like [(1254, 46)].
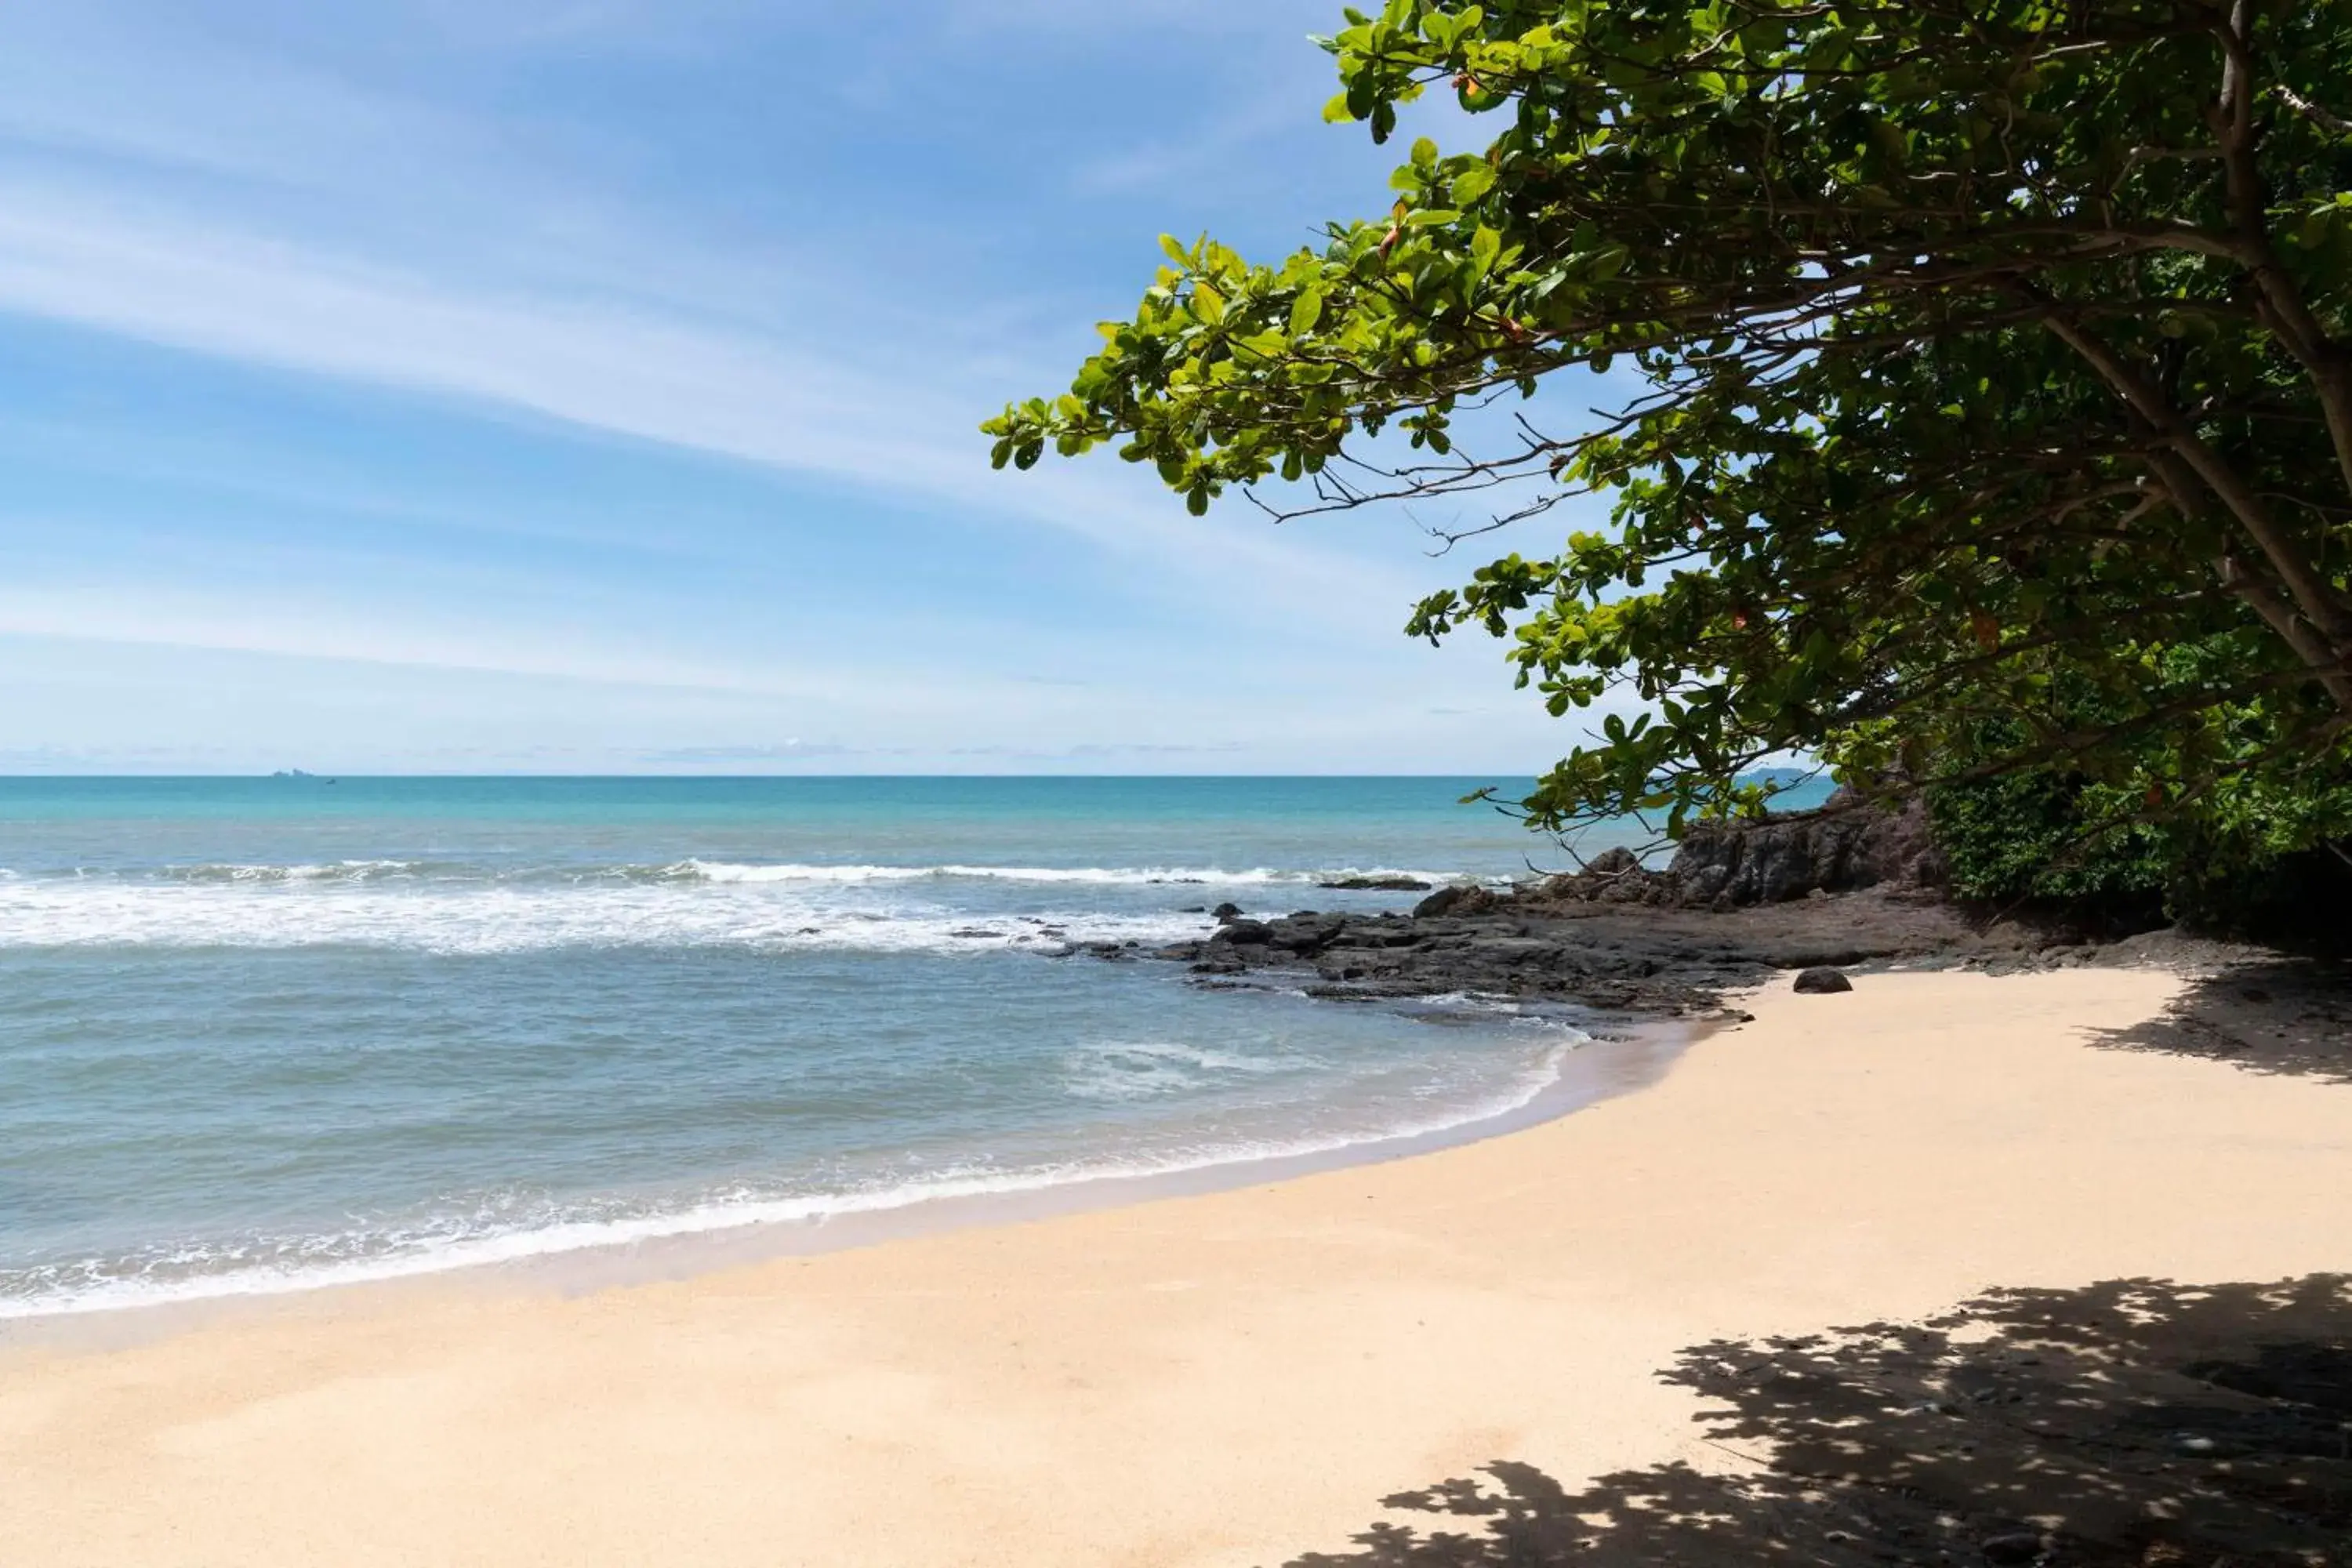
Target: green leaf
[(1485, 246), (1807, 515), (1473, 182)]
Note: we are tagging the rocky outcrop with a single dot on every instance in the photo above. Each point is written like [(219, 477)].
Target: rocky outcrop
[(1845, 846), (1848, 884), (1652, 959), (1462, 899)]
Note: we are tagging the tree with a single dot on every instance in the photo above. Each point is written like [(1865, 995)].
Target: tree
[(1996, 370)]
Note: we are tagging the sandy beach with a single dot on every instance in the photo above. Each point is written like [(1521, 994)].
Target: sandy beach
[(1234, 1379)]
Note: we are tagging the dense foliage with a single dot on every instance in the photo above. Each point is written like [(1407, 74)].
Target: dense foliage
[(2238, 856), (1995, 361), (2045, 838)]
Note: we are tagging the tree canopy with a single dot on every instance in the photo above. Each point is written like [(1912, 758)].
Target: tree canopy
[(1994, 403)]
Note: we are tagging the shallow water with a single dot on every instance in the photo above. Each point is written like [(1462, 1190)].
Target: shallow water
[(261, 1034)]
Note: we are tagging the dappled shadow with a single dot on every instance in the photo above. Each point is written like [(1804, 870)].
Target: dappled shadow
[(2283, 1014), (2132, 1423)]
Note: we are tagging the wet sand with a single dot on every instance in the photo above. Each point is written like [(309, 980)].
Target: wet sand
[(1229, 1378)]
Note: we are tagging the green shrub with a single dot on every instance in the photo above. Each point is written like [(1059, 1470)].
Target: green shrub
[(2250, 858), (2030, 835)]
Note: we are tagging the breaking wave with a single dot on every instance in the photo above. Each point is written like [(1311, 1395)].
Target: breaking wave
[(460, 908)]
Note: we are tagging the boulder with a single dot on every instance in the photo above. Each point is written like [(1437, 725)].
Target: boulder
[(1461, 898), (1378, 885), (1238, 932), (1225, 914), (1824, 982), (1618, 862)]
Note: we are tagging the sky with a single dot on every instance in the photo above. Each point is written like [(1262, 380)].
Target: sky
[(592, 386)]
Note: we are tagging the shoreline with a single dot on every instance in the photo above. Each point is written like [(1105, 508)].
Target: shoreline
[(1215, 1381), (1582, 1073)]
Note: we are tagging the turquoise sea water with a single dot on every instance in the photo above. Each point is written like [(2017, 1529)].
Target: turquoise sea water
[(260, 1034)]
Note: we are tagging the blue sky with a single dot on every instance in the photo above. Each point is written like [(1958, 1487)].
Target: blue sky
[(590, 386)]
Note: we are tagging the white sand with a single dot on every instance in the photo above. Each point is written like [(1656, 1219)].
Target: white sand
[(1225, 1380)]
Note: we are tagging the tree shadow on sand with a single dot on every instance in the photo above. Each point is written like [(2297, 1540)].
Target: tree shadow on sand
[(2283, 1014), (2136, 1423)]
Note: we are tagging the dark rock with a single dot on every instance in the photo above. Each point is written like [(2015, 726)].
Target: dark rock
[(1305, 933), (1439, 903), (1462, 898), (2015, 1546), (1616, 862), (1382, 934), (1225, 914), (1569, 940), (1845, 846), (1824, 982), (1378, 885)]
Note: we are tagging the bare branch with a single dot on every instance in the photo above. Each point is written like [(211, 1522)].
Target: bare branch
[(2334, 124)]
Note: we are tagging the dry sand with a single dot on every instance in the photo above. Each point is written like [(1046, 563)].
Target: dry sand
[(1230, 1379)]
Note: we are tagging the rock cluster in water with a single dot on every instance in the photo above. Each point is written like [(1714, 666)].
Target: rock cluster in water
[(1822, 890)]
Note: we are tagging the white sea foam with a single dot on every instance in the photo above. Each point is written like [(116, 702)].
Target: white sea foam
[(1147, 1069), (337, 871), (1098, 876), (446, 907), (192, 1274), (502, 919)]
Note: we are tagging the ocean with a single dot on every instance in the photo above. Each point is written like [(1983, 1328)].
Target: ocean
[(258, 1035)]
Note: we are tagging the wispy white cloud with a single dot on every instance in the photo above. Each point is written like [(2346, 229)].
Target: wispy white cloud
[(483, 273), (169, 98), (1206, 150), (351, 632), (390, 211), (746, 396)]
